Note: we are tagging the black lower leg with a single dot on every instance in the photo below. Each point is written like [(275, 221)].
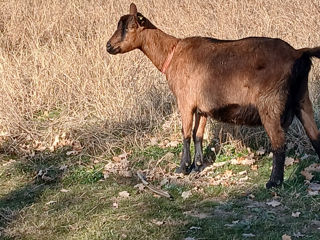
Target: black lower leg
[(186, 158), (198, 156), (276, 177)]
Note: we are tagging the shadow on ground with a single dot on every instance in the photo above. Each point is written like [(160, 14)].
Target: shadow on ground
[(38, 173)]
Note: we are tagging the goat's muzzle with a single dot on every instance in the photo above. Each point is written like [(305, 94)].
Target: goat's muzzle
[(111, 49)]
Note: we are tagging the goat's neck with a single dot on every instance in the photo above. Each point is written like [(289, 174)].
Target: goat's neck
[(157, 45)]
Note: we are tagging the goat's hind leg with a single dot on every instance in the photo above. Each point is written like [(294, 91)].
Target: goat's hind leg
[(306, 116), (276, 133), (198, 131)]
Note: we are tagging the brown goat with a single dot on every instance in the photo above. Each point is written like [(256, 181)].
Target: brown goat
[(252, 81)]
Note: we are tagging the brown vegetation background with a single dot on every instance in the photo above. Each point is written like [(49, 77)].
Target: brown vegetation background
[(56, 78)]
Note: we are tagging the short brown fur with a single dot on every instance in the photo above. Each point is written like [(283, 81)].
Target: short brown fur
[(250, 81)]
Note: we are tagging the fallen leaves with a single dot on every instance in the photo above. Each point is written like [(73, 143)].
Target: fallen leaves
[(248, 235), (164, 182), (197, 214), (313, 188), (298, 235), (315, 167), (139, 186), (251, 196), (157, 222), (47, 175), (61, 140), (11, 161), (51, 202), (254, 167), (274, 203), (243, 161), (243, 179), (153, 141), (219, 164), (172, 144), (120, 157), (261, 151), (307, 175), (286, 237), (227, 174), (232, 224), (124, 194), (307, 172), (289, 161), (296, 214), (186, 194), (194, 228), (120, 166), (224, 179), (31, 145)]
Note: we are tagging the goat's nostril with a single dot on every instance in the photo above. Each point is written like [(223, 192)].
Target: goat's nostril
[(109, 45)]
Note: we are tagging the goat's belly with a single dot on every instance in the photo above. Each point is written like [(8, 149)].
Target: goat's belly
[(237, 114)]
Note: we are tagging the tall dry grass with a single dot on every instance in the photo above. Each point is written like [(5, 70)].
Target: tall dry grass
[(56, 77)]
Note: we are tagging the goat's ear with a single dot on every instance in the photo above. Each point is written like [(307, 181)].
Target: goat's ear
[(133, 9), (141, 19)]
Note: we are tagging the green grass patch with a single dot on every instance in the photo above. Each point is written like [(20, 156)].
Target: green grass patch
[(81, 204), (83, 175)]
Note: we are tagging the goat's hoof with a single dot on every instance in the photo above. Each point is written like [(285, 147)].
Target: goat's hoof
[(272, 184), (184, 171), (198, 166), (194, 171)]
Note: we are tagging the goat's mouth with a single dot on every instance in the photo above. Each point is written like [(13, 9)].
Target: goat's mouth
[(113, 50)]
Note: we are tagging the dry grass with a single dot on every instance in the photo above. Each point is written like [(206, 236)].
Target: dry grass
[(55, 75)]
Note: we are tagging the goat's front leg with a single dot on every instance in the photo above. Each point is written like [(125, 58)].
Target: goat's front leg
[(187, 118), (198, 131)]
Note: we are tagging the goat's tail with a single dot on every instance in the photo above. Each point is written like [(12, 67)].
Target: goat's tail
[(311, 52)]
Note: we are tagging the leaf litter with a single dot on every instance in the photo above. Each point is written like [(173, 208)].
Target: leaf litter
[(313, 187), (205, 178), (119, 166), (186, 194), (124, 194), (296, 214), (274, 203), (286, 237)]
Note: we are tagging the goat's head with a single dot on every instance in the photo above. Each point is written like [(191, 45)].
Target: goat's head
[(127, 37)]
